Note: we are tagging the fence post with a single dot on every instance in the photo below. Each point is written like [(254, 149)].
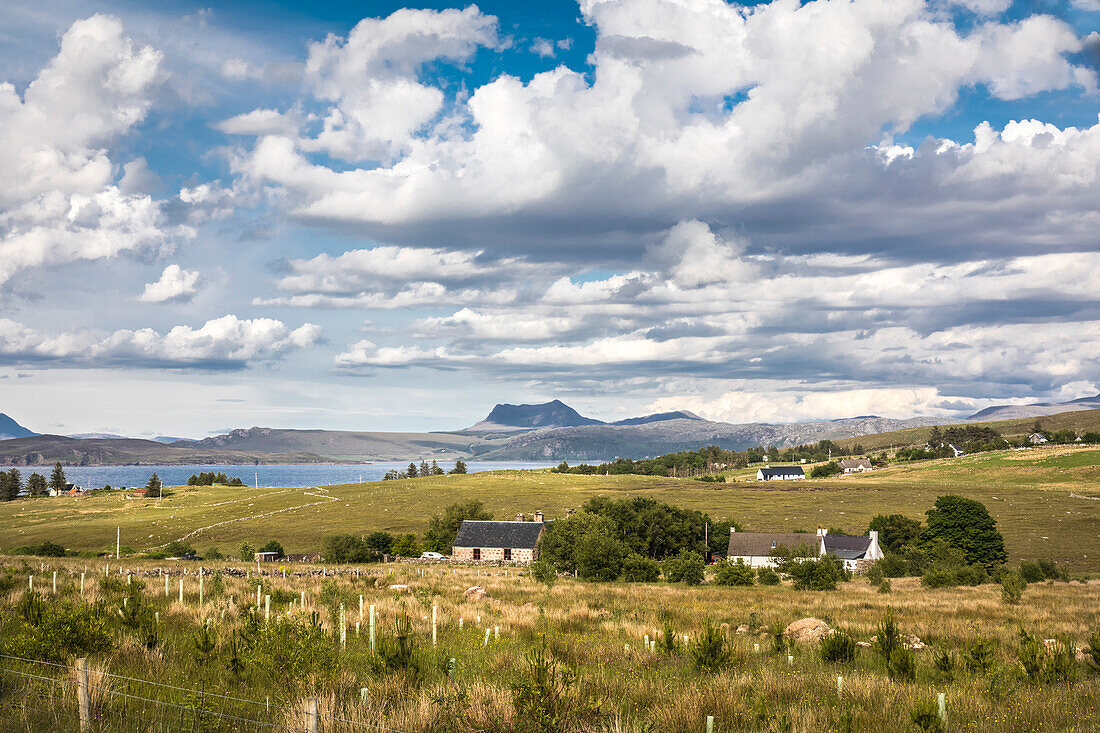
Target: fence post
[(941, 701), (710, 724), (309, 714), (82, 698)]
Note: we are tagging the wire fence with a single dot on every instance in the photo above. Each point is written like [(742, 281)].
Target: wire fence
[(58, 697)]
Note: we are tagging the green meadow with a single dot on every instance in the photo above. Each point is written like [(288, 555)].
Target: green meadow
[(1039, 497)]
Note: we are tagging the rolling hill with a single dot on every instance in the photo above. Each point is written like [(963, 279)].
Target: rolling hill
[(1037, 409)]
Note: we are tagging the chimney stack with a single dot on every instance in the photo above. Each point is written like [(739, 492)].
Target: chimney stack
[(519, 517), (538, 516), (733, 529)]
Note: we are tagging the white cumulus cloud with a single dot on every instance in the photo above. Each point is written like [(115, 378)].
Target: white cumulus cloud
[(174, 283)]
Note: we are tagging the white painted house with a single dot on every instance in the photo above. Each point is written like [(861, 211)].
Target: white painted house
[(856, 465), (780, 473), (757, 549)]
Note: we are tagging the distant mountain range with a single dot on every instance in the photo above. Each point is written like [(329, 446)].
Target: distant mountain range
[(1036, 409), (550, 431)]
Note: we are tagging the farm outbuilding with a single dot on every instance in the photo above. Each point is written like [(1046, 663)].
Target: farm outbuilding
[(487, 541)]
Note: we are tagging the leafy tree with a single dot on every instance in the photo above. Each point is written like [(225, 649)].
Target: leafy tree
[(736, 572), (460, 467), (273, 546), (36, 485), (560, 539), (57, 478), (638, 569), (348, 548), (687, 567), (895, 531), (246, 552), (6, 491), (380, 542), (822, 573), (966, 525), (406, 546), (443, 529), (832, 468), (154, 487), (767, 576), (599, 554)]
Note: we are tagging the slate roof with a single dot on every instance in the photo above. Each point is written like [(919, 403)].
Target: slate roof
[(846, 546), (513, 535), (855, 463), (783, 471), (761, 544)]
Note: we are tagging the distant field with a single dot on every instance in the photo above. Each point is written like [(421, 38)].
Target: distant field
[(1028, 492), (1081, 421)]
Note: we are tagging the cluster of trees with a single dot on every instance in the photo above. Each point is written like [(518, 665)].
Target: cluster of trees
[(247, 552), (345, 548), (1065, 435), (414, 471), (958, 545), (634, 539), (11, 483), (209, 478)]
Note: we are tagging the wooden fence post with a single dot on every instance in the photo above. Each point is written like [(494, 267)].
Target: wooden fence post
[(309, 714), (82, 698)]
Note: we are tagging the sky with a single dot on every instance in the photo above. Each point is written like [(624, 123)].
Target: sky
[(379, 216)]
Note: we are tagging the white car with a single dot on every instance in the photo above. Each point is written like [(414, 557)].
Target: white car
[(432, 556)]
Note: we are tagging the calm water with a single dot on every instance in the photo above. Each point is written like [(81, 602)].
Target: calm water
[(95, 477)]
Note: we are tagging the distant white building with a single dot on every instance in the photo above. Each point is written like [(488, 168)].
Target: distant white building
[(757, 549), (856, 465), (780, 473), (1036, 439)]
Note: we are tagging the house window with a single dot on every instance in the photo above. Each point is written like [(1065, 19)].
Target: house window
[(507, 554), (477, 553)]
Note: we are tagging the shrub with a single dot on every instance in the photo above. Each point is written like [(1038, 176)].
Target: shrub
[(341, 548), (273, 546), (902, 665), (885, 587), (545, 698), (887, 637), (638, 569), (822, 573), (1030, 571), (687, 567), (54, 631), (1093, 649), (599, 554), (404, 546), (1051, 570), (945, 663), (543, 572), (978, 655), (832, 468), (838, 646), (669, 642), (46, 549), (1012, 588), (767, 576), (875, 574), (246, 552), (729, 572), (710, 650), (1042, 664), (892, 566), (926, 716), (213, 554)]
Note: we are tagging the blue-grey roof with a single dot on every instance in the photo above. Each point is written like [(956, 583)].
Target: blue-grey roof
[(846, 546), (514, 535), (783, 471)]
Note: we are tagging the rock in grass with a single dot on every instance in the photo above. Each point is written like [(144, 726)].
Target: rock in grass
[(807, 630), (400, 588), (477, 593)]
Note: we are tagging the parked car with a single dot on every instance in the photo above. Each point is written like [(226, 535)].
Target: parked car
[(432, 556)]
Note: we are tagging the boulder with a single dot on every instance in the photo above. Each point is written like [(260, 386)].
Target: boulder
[(863, 644), (743, 629), (476, 593), (913, 642), (399, 588), (807, 630)]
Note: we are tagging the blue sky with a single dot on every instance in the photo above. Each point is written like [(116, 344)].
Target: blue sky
[(382, 216)]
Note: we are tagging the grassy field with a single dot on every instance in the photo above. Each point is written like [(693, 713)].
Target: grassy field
[(1081, 421), (595, 631), (1038, 497)]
